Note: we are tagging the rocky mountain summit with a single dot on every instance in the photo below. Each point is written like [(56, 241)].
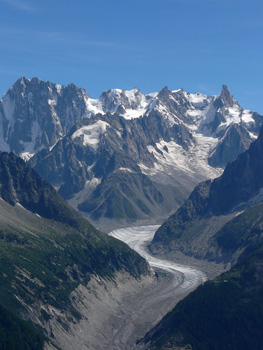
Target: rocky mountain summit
[(125, 155), (36, 114)]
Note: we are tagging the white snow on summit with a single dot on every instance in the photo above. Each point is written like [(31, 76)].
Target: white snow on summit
[(93, 106), (198, 100), (67, 105), (129, 104), (246, 117)]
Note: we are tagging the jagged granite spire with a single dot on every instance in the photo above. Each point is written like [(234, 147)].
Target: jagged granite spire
[(225, 98), (35, 114)]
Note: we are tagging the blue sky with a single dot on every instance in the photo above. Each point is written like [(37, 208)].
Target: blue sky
[(197, 45)]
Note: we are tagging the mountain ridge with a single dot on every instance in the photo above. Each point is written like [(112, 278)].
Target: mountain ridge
[(223, 200), (173, 138), (50, 256)]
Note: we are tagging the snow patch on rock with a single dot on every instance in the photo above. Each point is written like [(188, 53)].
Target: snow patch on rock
[(8, 106), (91, 133), (171, 158)]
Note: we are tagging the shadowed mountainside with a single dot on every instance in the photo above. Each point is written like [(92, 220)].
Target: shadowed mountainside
[(226, 313), (216, 201)]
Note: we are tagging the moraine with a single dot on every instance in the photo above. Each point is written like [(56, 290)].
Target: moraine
[(146, 310), (185, 277)]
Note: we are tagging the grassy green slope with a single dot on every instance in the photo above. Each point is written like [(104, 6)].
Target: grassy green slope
[(45, 260), (46, 248)]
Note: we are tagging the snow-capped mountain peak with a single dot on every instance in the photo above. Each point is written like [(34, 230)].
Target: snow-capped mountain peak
[(128, 103), (124, 147), (35, 114)]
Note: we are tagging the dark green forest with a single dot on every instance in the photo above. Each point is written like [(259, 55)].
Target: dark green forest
[(17, 334)]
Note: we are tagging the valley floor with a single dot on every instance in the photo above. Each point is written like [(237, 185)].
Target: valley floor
[(174, 280), (115, 314)]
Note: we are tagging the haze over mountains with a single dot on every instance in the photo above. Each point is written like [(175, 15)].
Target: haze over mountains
[(125, 155)]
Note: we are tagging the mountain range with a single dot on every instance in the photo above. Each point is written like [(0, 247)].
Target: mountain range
[(125, 155)]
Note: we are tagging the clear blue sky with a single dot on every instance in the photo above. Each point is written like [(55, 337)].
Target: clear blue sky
[(197, 45)]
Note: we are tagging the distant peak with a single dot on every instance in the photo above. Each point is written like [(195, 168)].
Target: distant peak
[(25, 81), (164, 92), (72, 86), (225, 91), (111, 92), (19, 85), (226, 97), (178, 91), (35, 80), (22, 81), (165, 89)]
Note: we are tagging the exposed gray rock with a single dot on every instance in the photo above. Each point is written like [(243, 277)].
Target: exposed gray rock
[(111, 311), (165, 142), (194, 227)]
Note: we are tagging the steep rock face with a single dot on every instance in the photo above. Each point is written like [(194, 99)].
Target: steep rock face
[(238, 188), (241, 179), (36, 114), (235, 141), (106, 168), (173, 138), (225, 98)]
